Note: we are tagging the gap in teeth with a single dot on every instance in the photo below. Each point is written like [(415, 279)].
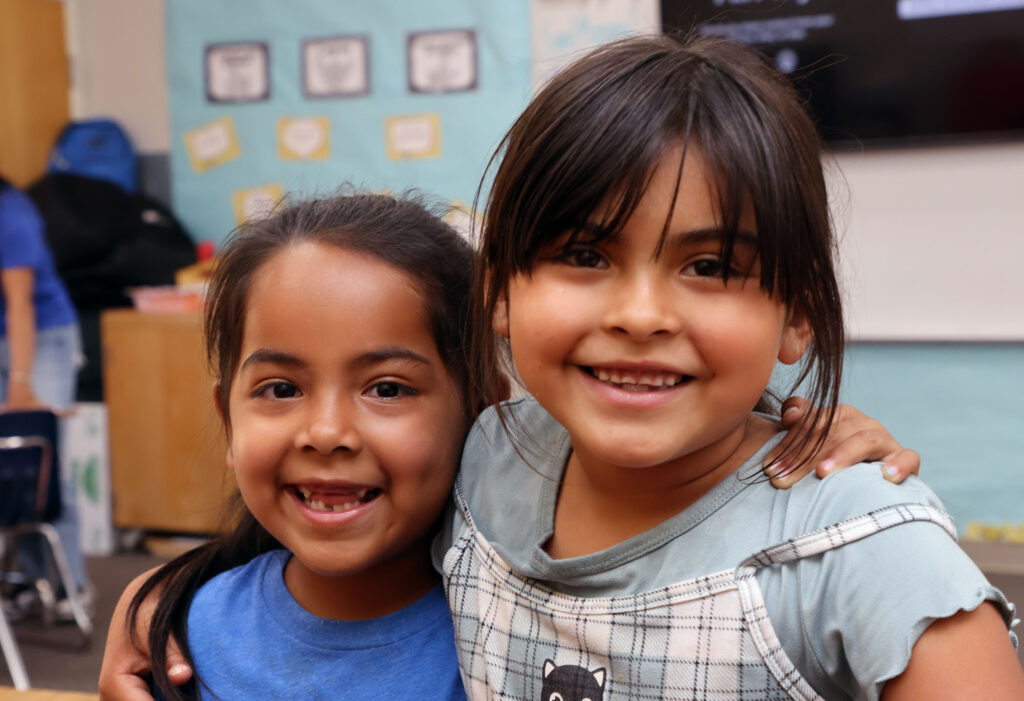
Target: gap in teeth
[(317, 505)]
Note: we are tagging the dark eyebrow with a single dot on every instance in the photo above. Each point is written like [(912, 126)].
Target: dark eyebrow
[(267, 355), (711, 235), (368, 359), (594, 231), (381, 355)]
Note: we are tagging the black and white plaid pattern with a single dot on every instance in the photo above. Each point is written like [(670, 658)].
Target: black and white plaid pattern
[(705, 638)]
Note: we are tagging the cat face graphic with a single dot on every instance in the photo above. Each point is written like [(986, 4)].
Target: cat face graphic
[(571, 683)]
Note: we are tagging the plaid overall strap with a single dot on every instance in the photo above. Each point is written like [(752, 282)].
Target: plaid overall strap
[(849, 531), (806, 545)]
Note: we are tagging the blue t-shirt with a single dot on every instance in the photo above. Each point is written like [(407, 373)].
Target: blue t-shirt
[(250, 639), (23, 245)]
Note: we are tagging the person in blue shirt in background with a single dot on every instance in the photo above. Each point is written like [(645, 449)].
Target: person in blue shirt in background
[(40, 351)]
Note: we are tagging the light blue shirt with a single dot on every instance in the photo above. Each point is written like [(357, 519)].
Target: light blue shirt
[(847, 619)]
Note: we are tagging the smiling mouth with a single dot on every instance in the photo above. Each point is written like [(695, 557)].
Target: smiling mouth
[(637, 381), (335, 502)]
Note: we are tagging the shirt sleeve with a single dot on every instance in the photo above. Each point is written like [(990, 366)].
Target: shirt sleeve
[(22, 236), (864, 605)]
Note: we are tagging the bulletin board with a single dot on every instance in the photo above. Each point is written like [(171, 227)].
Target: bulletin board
[(268, 98)]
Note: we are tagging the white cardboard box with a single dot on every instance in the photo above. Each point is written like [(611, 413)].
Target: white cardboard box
[(86, 455)]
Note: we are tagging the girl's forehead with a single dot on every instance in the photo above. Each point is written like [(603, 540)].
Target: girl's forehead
[(327, 298), (682, 192)]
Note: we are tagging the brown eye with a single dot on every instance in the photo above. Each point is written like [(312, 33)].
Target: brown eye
[(583, 258), (705, 267), (278, 390), (390, 390)]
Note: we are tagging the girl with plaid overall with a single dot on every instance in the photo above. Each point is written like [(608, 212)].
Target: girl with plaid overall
[(656, 240)]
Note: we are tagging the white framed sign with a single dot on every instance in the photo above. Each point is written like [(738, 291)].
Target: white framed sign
[(238, 72), (441, 62), (336, 66)]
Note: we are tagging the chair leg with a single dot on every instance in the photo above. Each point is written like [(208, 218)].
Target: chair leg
[(12, 654), (64, 572)]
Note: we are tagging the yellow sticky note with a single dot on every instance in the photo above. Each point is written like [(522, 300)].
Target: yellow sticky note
[(303, 138), (212, 144), (256, 202), (413, 136)]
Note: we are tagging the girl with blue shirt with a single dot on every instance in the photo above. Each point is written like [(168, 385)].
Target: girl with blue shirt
[(335, 329)]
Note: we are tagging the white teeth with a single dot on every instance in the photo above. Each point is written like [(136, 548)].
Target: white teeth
[(318, 505), (638, 381)]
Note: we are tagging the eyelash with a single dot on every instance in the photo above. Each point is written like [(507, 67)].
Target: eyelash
[(570, 256), (267, 387), (403, 390), (716, 261), (374, 390)]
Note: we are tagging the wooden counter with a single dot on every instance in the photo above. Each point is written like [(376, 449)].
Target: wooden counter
[(9, 694), (166, 445)]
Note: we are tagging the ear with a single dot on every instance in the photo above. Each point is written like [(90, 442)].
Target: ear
[(225, 421), (796, 336), (499, 322)]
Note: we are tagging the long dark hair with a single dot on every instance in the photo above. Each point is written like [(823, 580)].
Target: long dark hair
[(401, 232), (589, 142)]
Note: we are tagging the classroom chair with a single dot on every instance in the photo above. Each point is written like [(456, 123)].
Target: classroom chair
[(29, 499)]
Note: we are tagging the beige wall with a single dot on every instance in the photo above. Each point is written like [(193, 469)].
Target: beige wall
[(933, 241), (117, 58)]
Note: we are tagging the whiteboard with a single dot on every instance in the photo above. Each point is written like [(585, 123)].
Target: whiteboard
[(932, 242)]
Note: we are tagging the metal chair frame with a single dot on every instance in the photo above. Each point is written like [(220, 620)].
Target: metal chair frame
[(10, 533)]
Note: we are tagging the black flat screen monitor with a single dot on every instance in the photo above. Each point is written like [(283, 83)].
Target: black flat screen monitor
[(885, 72)]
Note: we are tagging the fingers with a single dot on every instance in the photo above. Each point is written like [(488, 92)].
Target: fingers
[(123, 687), (178, 670), (123, 664), (793, 409), (901, 465), (853, 438), (784, 479)]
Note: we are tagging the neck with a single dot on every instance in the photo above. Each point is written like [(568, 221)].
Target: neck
[(379, 590), (600, 505)]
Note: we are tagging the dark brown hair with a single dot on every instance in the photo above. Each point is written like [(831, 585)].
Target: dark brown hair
[(401, 232), (590, 141)]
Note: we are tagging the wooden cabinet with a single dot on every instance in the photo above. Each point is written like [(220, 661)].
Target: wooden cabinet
[(33, 85), (167, 447)]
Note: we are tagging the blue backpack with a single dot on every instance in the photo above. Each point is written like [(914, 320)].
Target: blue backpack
[(96, 148)]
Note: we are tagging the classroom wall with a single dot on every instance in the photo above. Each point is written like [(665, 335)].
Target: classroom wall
[(932, 239)]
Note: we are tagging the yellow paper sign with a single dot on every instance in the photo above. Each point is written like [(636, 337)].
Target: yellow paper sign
[(256, 202), (413, 136), (212, 144), (303, 138)]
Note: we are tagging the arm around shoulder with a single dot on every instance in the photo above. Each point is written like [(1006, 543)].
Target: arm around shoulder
[(124, 663), (966, 656)]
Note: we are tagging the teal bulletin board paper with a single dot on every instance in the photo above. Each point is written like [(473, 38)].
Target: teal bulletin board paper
[(472, 122), (960, 406)]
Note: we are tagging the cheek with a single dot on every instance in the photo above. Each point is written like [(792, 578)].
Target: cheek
[(746, 339)]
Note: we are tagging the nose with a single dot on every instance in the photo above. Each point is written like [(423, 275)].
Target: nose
[(329, 427), (641, 307)]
